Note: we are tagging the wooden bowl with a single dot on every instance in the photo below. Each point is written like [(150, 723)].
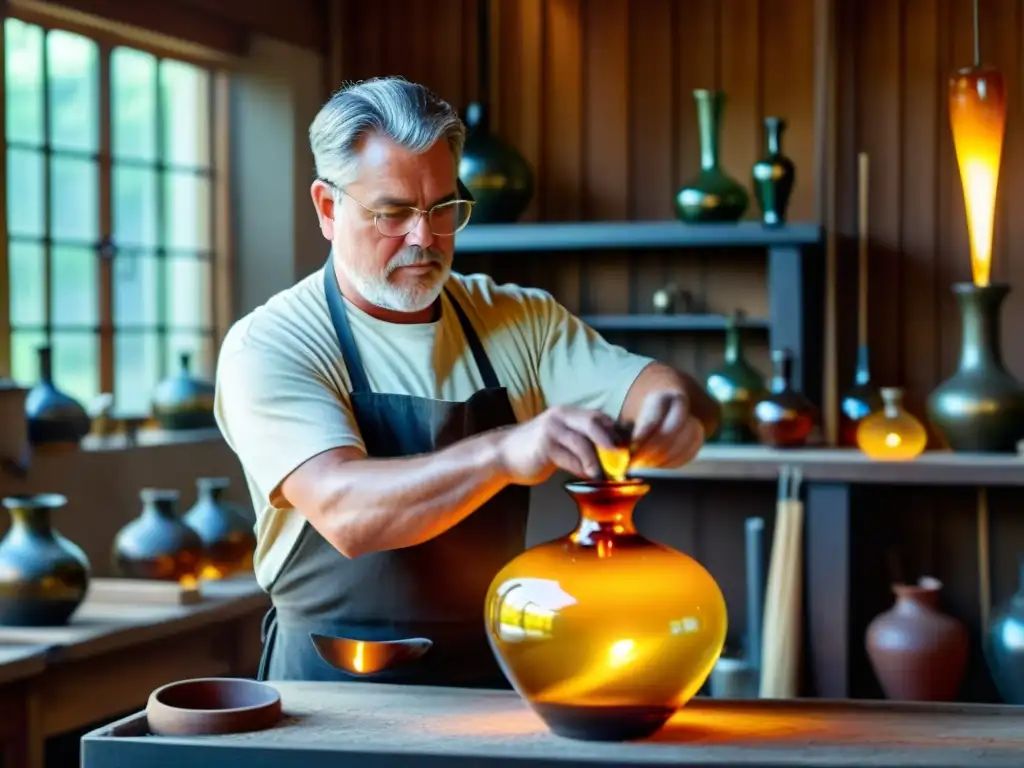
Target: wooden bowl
[(211, 706)]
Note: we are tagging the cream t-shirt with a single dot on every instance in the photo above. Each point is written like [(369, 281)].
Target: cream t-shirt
[(282, 386)]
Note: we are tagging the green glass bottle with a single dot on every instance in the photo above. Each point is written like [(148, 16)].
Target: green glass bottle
[(737, 386), (712, 195)]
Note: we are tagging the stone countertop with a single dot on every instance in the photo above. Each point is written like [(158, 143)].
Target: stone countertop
[(371, 726)]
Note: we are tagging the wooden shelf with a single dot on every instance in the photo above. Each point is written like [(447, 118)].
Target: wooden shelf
[(627, 235), (675, 322), (847, 465)]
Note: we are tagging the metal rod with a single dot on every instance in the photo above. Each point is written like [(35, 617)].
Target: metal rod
[(977, 35)]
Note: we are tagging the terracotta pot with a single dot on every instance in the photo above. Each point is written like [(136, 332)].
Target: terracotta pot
[(918, 653), (213, 705)]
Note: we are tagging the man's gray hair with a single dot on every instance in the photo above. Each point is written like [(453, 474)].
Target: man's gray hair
[(406, 113)]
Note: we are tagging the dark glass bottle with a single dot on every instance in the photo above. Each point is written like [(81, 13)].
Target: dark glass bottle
[(859, 401), (737, 386), (774, 175), (786, 417)]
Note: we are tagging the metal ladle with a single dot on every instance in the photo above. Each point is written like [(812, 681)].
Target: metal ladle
[(366, 657)]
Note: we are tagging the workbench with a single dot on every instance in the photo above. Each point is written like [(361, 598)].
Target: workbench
[(111, 655), (367, 725)]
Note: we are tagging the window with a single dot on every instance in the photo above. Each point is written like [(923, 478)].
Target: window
[(111, 187)]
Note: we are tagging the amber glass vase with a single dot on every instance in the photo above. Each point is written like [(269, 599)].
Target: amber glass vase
[(603, 632), (893, 433), (786, 417)]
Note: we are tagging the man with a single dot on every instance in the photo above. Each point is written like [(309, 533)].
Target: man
[(390, 414)]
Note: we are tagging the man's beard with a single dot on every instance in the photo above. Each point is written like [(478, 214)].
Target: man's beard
[(411, 297)]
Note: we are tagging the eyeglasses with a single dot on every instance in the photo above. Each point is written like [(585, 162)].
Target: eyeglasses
[(444, 219)]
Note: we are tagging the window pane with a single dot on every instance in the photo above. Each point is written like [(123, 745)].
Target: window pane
[(25, 355), (136, 371), (23, 59), (135, 206), (74, 211), (133, 97), (73, 91), (26, 262), (75, 284), (185, 113), (25, 169), (76, 364), (186, 212), (136, 296), (187, 292), (198, 345)]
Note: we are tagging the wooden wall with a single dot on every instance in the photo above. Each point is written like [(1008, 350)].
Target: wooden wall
[(895, 58), (597, 95)]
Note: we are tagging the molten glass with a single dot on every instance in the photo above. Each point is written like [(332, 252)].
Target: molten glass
[(977, 116), (893, 433), (603, 632)]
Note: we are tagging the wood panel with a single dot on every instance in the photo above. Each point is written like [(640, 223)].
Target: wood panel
[(598, 96)]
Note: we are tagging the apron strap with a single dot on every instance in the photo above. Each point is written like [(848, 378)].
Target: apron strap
[(347, 342), (483, 362), (350, 352)]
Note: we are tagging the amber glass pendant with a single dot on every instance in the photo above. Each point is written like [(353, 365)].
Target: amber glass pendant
[(893, 433), (603, 632)]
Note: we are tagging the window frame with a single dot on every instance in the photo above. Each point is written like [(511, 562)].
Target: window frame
[(222, 261)]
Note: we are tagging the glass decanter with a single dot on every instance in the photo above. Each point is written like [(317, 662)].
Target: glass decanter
[(603, 632)]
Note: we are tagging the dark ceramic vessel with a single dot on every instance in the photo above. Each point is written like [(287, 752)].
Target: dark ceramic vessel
[(184, 401), (157, 544), (499, 178), (44, 577), (980, 408), (55, 419)]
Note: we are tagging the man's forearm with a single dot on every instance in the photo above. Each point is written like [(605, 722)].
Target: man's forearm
[(381, 504)]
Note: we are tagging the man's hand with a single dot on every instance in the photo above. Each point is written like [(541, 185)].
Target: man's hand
[(665, 434), (560, 438)]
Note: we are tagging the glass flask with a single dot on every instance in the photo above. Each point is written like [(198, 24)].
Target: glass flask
[(603, 632), (786, 417), (893, 433)]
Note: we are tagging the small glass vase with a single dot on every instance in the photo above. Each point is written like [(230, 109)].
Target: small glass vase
[(893, 433), (712, 195), (737, 386), (773, 175), (603, 632), (786, 418)]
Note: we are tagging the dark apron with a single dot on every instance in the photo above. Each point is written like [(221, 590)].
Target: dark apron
[(435, 589)]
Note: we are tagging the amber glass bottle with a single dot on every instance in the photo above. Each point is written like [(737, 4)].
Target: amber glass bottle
[(603, 632), (786, 417), (893, 433)]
